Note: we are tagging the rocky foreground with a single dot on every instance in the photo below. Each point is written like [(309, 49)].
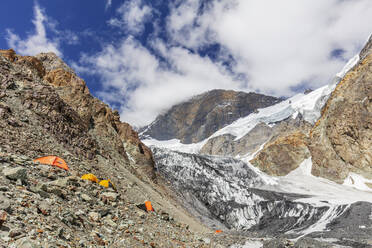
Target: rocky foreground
[(43, 206)]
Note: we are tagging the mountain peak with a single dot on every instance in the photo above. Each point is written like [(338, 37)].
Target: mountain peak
[(202, 115)]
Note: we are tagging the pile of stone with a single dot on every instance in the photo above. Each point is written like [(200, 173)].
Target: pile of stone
[(44, 206)]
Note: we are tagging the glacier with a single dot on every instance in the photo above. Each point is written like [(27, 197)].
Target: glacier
[(231, 194)]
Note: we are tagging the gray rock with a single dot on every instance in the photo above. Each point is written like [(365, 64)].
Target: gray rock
[(109, 196), (4, 203), (86, 197), (25, 242), (15, 173), (94, 216)]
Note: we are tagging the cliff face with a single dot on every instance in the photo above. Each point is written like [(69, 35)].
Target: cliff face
[(201, 116), (341, 140)]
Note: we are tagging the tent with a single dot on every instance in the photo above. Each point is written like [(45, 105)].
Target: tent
[(52, 160), (107, 183), (90, 177), (146, 206)]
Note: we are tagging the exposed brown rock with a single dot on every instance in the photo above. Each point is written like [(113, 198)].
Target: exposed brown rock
[(226, 145), (341, 140), (31, 63), (282, 155), (9, 54), (59, 77), (96, 114)]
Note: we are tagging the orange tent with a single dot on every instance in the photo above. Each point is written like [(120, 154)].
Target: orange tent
[(53, 160), (218, 231), (148, 206)]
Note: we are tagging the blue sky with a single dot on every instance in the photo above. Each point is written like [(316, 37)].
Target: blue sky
[(143, 56)]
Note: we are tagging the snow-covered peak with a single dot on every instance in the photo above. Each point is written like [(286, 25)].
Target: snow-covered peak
[(308, 105)]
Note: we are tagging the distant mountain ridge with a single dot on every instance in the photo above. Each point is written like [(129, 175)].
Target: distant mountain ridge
[(196, 119)]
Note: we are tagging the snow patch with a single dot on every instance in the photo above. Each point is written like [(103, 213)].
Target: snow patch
[(321, 191), (249, 244), (349, 65), (332, 213), (357, 181), (175, 145), (130, 157)]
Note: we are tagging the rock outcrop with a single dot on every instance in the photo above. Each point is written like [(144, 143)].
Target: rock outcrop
[(282, 155), (262, 133), (101, 120), (226, 145), (341, 140), (43, 89), (201, 116)]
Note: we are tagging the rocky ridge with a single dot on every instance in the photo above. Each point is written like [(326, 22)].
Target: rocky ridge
[(198, 118), (340, 141)]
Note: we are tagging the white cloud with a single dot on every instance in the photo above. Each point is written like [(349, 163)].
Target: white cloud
[(133, 14), (143, 86), (276, 45), (36, 42)]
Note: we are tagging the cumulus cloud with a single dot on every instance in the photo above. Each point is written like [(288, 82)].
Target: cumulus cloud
[(278, 44), (273, 47), (136, 80), (37, 41), (133, 14)]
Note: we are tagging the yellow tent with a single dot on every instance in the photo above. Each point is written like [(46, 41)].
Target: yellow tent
[(90, 177), (107, 183)]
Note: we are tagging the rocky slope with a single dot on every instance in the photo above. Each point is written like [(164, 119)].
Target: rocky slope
[(43, 99), (46, 109), (201, 116)]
